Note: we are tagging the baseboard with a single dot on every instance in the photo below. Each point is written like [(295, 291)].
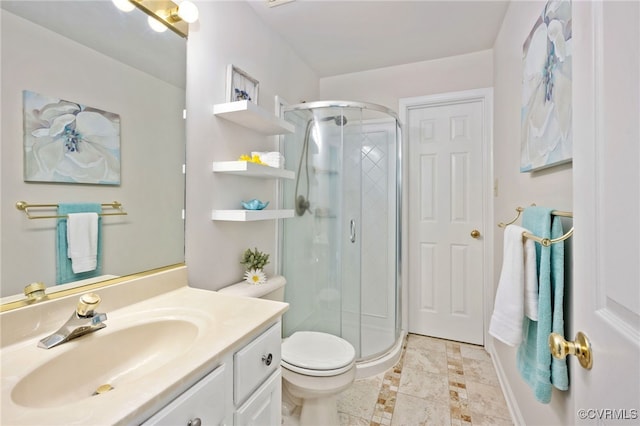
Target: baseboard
[(512, 404)]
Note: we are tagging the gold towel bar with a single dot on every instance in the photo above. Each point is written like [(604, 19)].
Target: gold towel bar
[(504, 225), (24, 206), (544, 241)]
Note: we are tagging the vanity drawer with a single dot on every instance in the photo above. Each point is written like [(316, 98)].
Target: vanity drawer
[(255, 362)]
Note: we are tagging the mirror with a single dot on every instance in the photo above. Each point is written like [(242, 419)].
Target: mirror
[(93, 54)]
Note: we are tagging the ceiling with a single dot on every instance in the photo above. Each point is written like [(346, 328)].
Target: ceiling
[(333, 36), (99, 25), (344, 36)]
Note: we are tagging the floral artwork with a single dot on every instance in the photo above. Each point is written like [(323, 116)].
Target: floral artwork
[(241, 86), (547, 134), (68, 142)]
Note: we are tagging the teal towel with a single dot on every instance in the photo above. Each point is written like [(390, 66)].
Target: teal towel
[(559, 371), (534, 360), (64, 273)]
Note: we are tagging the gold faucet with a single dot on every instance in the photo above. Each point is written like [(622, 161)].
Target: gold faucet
[(35, 291), (83, 321)]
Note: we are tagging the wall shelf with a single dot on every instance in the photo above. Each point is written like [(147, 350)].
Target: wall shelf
[(252, 116), (250, 215), (250, 169)]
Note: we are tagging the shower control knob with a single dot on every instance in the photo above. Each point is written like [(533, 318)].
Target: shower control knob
[(267, 359), (302, 205)]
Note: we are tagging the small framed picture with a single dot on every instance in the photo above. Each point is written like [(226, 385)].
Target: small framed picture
[(241, 86)]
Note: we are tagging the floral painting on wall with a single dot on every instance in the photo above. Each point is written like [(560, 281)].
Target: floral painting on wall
[(547, 135), (69, 142)]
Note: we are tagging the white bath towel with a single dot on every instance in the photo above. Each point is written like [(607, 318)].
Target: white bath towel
[(517, 293), (82, 241), (273, 158)]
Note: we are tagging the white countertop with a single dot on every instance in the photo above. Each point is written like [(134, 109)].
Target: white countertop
[(223, 323)]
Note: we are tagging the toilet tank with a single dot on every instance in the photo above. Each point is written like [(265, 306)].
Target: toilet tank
[(273, 289)]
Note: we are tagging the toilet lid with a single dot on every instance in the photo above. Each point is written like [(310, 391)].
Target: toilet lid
[(317, 351)]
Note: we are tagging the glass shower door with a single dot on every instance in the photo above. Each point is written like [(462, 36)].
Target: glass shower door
[(321, 246), (377, 149), (351, 233)]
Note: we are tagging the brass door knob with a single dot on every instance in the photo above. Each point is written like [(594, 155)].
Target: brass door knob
[(475, 234), (581, 348)]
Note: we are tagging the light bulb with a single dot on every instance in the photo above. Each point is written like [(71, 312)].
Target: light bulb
[(188, 11), (156, 25), (124, 5)]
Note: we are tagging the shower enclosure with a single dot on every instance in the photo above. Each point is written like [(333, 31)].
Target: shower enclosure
[(341, 251)]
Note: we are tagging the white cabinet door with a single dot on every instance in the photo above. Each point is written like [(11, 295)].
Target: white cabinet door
[(204, 401), (264, 406)]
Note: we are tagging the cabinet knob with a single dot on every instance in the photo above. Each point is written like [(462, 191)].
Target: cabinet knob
[(267, 359), (195, 422)]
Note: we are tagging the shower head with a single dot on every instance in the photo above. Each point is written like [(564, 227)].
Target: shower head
[(340, 120)]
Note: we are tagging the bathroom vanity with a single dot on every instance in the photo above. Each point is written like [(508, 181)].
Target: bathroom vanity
[(251, 375), (170, 355)]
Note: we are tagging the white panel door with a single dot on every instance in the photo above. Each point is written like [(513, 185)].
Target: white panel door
[(445, 207), (606, 284)]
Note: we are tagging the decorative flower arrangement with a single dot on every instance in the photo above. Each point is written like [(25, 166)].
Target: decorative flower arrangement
[(241, 95), (255, 276), (251, 159), (254, 261)]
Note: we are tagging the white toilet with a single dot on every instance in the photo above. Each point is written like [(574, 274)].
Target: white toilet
[(315, 366)]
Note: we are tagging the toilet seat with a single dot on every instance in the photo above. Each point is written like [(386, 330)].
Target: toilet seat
[(317, 354)]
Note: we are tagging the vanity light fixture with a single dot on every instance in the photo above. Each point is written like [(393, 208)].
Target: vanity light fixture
[(157, 25), (164, 14), (124, 5)]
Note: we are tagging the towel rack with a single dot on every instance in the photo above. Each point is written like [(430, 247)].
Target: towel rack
[(504, 225), (544, 241), (24, 206)]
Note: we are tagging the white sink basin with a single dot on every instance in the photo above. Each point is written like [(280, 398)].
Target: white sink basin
[(105, 357)]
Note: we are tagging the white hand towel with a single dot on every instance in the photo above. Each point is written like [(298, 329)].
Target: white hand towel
[(82, 241), (509, 307)]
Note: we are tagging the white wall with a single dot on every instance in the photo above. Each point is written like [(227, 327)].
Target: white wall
[(385, 86), (152, 152), (231, 33), (551, 187)]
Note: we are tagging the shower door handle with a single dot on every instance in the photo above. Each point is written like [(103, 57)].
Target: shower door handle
[(352, 231)]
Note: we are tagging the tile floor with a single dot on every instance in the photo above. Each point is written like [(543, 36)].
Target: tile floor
[(435, 382)]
